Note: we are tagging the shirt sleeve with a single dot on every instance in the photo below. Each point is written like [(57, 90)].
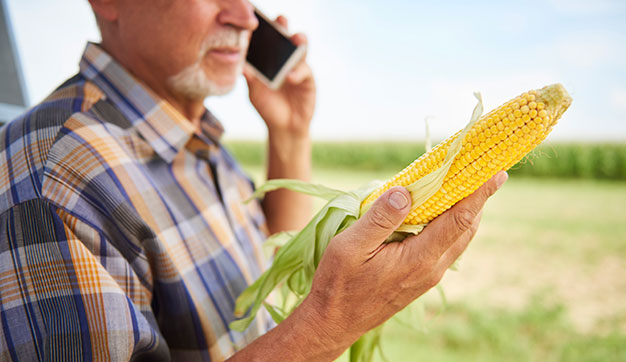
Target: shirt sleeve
[(66, 293)]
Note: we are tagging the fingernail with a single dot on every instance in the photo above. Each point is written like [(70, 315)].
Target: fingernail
[(398, 201), (502, 177)]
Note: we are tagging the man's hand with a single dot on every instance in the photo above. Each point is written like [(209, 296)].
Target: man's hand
[(361, 281), (287, 112), (289, 109)]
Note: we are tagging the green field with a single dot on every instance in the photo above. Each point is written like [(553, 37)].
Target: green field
[(604, 161), (544, 279)]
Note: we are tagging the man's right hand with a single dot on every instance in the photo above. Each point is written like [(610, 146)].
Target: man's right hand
[(362, 281)]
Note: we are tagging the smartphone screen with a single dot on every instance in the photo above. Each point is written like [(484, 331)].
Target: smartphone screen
[(269, 50)]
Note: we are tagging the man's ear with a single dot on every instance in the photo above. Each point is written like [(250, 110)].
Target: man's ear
[(105, 9)]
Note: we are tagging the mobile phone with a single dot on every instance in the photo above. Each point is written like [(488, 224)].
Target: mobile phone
[(271, 54)]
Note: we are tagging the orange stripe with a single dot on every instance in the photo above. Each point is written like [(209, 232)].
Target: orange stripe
[(215, 222), (246, 224), (91, 95), (164, 267), (88, 274)]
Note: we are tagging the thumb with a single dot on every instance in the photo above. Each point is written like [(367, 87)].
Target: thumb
[(385, 216)]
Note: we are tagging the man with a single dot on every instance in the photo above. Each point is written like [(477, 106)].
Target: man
[(123, 235)]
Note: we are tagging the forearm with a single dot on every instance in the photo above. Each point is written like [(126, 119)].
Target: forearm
[(288, 157), (303, 336)]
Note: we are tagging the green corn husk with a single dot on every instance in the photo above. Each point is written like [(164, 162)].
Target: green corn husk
[(294, 265)]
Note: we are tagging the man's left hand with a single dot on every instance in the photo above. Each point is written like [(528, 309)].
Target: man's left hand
[(287, 111)]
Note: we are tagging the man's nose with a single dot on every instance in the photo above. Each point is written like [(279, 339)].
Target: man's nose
[(238, 13)]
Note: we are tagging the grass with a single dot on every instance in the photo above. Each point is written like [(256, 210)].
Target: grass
[(542, 281), (582, 220), (538, 332)]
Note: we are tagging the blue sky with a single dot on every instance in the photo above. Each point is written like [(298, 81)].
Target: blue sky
[(382, 66)]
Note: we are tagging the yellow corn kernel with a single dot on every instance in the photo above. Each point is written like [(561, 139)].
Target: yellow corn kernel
[(497, 141)]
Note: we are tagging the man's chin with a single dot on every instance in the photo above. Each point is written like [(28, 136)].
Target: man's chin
[(220, 90), (192, 83)]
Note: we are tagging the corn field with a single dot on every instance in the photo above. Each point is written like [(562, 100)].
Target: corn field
[(605, 161)]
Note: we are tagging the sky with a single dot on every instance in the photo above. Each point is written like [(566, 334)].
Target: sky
[(382, 67)]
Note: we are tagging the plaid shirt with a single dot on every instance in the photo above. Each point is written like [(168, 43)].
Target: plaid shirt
[(123, 235)]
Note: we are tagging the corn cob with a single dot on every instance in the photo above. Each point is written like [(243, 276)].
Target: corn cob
[(497, 141)]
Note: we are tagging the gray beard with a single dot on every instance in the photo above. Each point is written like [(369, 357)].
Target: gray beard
[(193, 83)]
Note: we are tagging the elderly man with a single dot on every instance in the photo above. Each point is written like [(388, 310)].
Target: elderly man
[(123, 235)]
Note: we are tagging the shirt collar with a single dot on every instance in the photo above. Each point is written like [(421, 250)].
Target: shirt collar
[(163, 127)]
